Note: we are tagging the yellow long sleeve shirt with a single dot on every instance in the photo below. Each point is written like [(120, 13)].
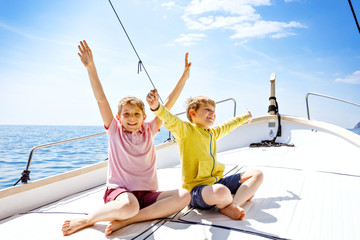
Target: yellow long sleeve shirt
[(197, 147)]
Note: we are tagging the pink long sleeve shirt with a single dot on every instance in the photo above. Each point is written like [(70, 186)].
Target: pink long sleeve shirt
[(132, 157)]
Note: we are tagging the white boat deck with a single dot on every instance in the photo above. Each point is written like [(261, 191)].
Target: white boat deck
[(305, 195)]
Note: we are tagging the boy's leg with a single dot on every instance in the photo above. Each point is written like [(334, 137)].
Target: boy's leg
[(216, 194), (167, 203), (220, 195), (124, 206), (250, 182)]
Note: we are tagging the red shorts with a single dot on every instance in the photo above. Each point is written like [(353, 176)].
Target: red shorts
[(145, 198)]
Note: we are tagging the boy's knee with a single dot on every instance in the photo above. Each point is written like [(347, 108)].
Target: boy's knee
[(221, 190), (222, 195), (184, 196), (258, 175), (128, 204), (132, 207)]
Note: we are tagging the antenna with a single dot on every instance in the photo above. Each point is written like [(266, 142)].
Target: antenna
[(273, 104)]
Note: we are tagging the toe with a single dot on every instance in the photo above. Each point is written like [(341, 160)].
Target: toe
[(108, 230)]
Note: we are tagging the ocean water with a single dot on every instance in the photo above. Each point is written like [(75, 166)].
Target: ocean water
[(357, 130), (16, 143)]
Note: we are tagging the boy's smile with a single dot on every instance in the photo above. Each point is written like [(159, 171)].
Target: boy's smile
[(205, 116), (131, 117)]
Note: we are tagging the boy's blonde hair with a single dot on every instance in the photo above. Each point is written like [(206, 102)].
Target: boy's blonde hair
[(133, 101), (195, 103)]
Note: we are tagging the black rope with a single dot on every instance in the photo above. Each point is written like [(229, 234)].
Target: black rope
[(140, 62), (273, 107), (272, 143), (278, 133), (139, 66), (353, 12), (25, 176)]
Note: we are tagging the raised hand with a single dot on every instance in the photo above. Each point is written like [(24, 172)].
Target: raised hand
[(85, 54), (248, 113), (186, 73), (153, 99)]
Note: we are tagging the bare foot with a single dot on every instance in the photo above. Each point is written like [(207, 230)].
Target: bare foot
[(233, 212), (113, 226), (71, 226)]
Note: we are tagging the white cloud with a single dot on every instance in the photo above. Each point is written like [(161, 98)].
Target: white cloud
[(190, 39), (197, 7), (263, 55), (214, 22), (263, 29), (235, 15), (282, 35), (353, 78), (171, 5)]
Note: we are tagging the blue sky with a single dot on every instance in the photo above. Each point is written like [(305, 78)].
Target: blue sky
[(234, 46)]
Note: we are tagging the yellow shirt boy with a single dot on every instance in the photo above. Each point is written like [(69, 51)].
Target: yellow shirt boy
[(202, 173), (198, 147)]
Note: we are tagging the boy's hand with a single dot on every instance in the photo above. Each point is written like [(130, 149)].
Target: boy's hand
[(153, 100), (248, 114), (186, 73), (85, 54)]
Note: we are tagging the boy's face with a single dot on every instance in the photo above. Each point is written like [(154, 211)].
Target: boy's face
[(204, 116), (131, 117)]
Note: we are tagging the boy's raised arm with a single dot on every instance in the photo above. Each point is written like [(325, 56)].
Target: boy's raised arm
[(88, 61), (175, 93), (153, 100)]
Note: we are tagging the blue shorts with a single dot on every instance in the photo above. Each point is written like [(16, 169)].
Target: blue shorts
[(232, 182)]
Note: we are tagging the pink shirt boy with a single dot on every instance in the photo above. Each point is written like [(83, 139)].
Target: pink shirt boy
[(132, 157)]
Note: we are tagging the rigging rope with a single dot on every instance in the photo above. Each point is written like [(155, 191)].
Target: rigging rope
[(140, 64), (353, 12)]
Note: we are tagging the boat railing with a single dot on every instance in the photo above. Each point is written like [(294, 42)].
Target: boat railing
[(221, 101), (325, 96), (25, 175)]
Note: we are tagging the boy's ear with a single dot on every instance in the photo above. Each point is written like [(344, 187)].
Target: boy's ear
[(118, 118), (144, 117), (192, 112)]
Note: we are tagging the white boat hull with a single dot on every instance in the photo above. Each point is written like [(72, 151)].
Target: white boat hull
[(310, 191)]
